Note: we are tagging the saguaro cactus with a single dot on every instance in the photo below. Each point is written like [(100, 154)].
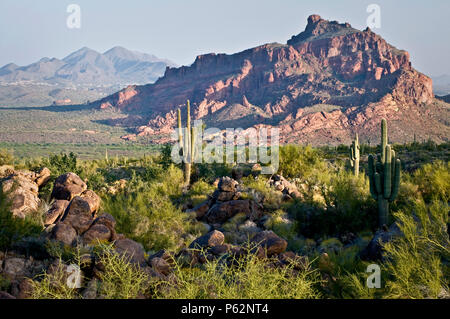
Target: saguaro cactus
[(187, 143), (384, 176), (354, 155)]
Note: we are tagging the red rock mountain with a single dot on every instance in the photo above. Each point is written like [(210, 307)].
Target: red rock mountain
[(326, 84)]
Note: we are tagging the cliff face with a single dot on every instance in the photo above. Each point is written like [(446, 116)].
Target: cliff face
[(324, 85)]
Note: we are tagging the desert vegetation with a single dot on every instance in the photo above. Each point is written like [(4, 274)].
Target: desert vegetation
[(319, 216)]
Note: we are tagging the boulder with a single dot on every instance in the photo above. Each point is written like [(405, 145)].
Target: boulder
[(187, 258), (22, 192), (5, 295), (68, 186), (64, 233), (160, 265), (42, 177), (14, 267), (131, 249), (227, 184), (374, 250), (200, 210), (249, 227), (223, 196), (221, 212), (219, 250), (81, 211), (211, 239), (97, 232), (163, 254), (270, 242), (288, 189), (107, 220), (24, 289), (6, 170), (55, 212)]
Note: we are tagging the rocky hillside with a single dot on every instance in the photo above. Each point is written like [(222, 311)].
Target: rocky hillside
[(321, 87)]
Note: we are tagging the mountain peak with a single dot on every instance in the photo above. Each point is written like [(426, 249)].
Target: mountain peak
[(320, 28), (314, 18)]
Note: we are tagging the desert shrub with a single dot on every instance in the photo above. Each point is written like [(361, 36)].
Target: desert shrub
[(272, 198), (13, 229), (165, 157), (199, 192), (120, 279), (302, 162), (408, 192), (249, 278), (53, 285), (349, 196), (433, 180), (354, 286), (6, 157), (281, 225), (145, 211), (62, 163), (415, 260)]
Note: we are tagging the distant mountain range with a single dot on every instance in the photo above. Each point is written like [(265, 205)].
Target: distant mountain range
[(85, 69)]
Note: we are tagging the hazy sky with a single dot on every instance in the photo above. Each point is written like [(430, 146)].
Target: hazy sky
[(181, 29)]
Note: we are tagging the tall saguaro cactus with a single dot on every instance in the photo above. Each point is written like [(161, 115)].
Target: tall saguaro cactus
[(384, 176), (187, 143), (354, 155)]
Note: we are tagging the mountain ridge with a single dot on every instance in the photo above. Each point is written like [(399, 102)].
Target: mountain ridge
[(356, 72), (87, 66)]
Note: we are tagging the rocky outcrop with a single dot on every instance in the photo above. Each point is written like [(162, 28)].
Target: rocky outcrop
[(321, 87), (68, 186), (281, 184), (225, 203), (22, 188)]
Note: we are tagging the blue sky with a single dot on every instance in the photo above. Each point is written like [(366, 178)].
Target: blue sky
[(181, 29)]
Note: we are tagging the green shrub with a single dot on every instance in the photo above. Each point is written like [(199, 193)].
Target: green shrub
[(282, 225), (433, 180), (120, 279), (300, 162), (53, 285), (349, 196), (415, 260), (199, 192), (6, 157), (145, 211), (249, 278)]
